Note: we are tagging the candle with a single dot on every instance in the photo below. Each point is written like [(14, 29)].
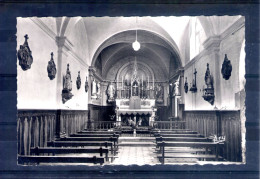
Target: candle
[(142, 81), (153, 83), (122, 83), (148, 82)]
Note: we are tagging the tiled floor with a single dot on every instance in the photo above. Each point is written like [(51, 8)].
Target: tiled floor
[(136, 155)]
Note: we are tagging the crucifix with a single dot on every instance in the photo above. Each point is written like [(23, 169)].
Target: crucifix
[(135, 90)]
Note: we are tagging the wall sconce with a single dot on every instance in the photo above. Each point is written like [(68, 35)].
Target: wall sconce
[(186, 86), (208, 92), (193, 88)]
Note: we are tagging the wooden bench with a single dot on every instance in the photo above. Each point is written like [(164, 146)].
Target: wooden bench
[(207, 145), (177, 135), (81, 144), (190, 156), (175, 132), (94, 135), (183, 139), (99, 132), (59, 159), (59, 150), (95, 139)]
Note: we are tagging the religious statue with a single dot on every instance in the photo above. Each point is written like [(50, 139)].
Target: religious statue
[(86, 84), (51, 68), (25, 55), (94, 88), (98, 90), (186, 87), (135, 89), (78, 82), (67, 86), (110, 93), (226, 68), (208, 78), (208, 92), (176, 87), (159, 93)]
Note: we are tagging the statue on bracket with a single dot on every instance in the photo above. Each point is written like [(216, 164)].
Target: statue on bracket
[(86, 84), (208, 92), (67, 86), (186, 86), (176, 87), (111, 93), (78, 82), (159, 93), (25, 55), (98, 90), (51, 68), (226, 68)]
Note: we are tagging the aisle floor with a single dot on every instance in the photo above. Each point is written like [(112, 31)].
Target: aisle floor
[(136, 156)]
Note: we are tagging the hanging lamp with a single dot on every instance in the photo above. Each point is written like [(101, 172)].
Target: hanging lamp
[(136, 45)]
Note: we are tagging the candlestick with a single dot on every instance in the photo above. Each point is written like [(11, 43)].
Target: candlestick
[(122, 83), (148, 82)]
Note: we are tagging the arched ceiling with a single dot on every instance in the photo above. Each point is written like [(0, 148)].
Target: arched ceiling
[(100, 32), (154, 52)]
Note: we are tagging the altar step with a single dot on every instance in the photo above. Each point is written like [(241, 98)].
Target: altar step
[(136, 141)]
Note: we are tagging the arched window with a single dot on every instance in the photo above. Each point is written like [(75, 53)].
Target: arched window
[(197, 37)]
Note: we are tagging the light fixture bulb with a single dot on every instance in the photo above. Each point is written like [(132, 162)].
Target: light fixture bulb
[(136, 45)]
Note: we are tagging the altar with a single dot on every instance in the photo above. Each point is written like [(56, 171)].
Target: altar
[(140, 112)]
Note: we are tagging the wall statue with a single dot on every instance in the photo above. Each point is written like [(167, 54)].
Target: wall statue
[(186, 86), (159, 93), (98, 90), (226, 68), (67, 86), (111, 93), (51, 68), (176, 87), (208, 92), (86, 84), (25, 55), (78, 82), (94, 88)]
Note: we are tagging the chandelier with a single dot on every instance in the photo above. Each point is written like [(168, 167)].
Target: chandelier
[(136, 45)]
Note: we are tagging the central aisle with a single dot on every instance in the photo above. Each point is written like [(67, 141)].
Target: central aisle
[(136, 151)]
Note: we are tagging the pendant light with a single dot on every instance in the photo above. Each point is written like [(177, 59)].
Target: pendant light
[(136, 45)]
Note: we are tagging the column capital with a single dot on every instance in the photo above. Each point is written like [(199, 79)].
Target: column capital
[(62, 41)]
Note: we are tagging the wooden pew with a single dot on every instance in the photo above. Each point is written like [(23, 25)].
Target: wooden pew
[(182, 139), (100, 132), (177, 135), (59, 150), (94, 135), (94, 139), (81, 144), (59, 159), (207, 145), (175, 132)]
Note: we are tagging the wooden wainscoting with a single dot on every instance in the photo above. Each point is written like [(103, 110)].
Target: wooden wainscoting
[(37, 127), (219, 123)]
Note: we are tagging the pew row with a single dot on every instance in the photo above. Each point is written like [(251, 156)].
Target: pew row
[(92, 139), (215, 146), (59, 159), (58, 150), (81, 144), (183, 139)]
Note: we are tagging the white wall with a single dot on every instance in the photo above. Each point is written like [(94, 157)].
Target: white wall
[(35, 90)]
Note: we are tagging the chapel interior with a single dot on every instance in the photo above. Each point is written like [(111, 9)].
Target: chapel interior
[(130, 90)]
